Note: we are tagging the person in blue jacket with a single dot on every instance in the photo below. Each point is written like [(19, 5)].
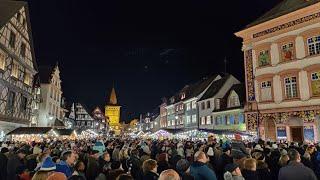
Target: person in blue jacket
[(65, 165), (199, 169)]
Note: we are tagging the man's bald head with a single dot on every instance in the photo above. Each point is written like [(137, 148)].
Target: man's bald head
[(169, 174)]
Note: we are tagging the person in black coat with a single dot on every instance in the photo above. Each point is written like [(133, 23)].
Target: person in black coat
[(250, 170), (150, 170), (3, 163)]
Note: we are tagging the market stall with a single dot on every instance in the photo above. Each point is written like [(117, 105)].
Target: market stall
[(28, 134)]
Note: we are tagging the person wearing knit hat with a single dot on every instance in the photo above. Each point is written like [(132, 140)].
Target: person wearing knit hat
[(48, 165), (233, 172), (57, 176), (258, 148)]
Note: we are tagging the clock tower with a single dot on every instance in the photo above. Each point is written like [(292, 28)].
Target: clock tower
[(112, 112)]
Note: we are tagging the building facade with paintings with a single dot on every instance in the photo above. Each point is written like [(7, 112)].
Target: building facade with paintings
[(282, 67), (51, 106), (17, 66), (112, 113)]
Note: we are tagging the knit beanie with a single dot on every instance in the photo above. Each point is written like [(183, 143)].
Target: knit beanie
[(48, 165)]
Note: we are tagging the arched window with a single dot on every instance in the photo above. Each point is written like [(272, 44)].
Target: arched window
[(233, 100)]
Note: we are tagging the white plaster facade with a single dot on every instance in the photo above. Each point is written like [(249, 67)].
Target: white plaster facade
[(51, 93)]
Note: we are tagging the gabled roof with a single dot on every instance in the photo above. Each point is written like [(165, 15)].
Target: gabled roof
[(214, 88), (193, 90), (240, 90), (284, 7), (9, 9), (58, 123), (45, 74)]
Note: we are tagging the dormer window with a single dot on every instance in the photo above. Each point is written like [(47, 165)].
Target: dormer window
[(233, 100), (217, 103), (172, 100), (183, 95)]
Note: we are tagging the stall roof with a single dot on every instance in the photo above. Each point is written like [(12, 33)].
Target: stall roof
[(30, 130), (64, 132)]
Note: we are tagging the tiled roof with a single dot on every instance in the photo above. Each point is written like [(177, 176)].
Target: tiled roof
[(214, 88), (284, 7)]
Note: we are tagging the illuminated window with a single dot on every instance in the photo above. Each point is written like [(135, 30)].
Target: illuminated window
[(233, 100), (287, 51), (264, 58), (194, 105), (291, 88), (266, 91), (188, 120), (217, 103), (315, 83), (173, 122), (27, 78), (2, 61), (203, 120), (183, 95), (169, 123), (314, 45), (188, 106), (194, 118), (208, 119), (15, 70)]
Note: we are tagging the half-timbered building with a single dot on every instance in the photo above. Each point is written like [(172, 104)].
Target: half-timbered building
[(17, 66)]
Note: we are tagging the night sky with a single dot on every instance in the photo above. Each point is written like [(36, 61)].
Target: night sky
[(148, 50)]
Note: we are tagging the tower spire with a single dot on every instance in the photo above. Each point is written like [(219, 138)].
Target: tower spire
[(113, 97)]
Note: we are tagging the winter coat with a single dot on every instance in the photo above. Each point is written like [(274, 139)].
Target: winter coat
[(162, 165), (150, 176), (296, 171), (250, 175), (200, 171), (186, 176), (229, 176), (113, 174), (92, 168), (238, 150), (135, 164), (263, 171), (13, 163), (63, 167), (3, 166)]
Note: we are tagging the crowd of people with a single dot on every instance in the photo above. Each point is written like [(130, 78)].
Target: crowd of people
[(146, 159)]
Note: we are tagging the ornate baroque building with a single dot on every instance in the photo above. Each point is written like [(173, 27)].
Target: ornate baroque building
[(17, 66), (112, 113), (282, 70)]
